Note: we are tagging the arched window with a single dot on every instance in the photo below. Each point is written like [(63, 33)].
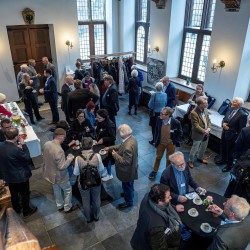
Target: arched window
[(91, 27), (196, 39), (142, 23)]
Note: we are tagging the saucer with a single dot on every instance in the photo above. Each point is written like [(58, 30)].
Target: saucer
[(197, 201), (209, 230), (193, 214), (101, 152)]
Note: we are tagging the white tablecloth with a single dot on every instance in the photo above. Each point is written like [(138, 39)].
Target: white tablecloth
[(32, 141), (215, 117)]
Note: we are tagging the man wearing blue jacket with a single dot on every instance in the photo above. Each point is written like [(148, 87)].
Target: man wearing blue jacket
[(169, 89)]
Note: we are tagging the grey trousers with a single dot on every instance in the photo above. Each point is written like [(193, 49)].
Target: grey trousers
[(199, 148), (91, 202)]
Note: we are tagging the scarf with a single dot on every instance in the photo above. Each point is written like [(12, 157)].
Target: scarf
[(169, 214)]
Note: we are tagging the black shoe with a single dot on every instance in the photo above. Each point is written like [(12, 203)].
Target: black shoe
[(89, 221), (73, 208), (40, 118), (226, 169), (152, 175), (96, 219), (61, 209), (135, 113), (151, 142), (124, 205), (30, 212), (122, 194), (129, 113), (32, 122)]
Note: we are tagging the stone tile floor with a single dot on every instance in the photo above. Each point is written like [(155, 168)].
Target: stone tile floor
[(115, 228)]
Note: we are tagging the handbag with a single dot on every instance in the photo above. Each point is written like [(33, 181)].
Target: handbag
[(151, 111), (224, 107)]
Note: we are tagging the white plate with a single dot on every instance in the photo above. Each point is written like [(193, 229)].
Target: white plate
[(199, 202), (193, 215), (102, 152), (191, 195), (209, 230)]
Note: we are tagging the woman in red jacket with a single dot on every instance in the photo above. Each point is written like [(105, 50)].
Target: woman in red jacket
[(3, 110)]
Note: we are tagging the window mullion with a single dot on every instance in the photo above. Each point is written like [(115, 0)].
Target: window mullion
[(90, 10), (197, 56)]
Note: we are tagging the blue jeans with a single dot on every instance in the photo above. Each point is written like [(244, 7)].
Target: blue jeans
[(91, 202), (63, 195), (128, 189), (108, 167)]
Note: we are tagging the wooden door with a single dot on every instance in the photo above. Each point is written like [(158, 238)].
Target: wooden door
[(29, 42)]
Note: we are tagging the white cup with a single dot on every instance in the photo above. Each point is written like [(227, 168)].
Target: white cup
[(77, 143)]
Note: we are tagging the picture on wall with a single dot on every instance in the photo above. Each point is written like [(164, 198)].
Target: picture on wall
[(156, 70)]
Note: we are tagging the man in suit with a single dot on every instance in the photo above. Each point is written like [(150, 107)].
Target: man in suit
[(55, 171), (50, 94), (66, 88), (168, 132), (15, 170), (78, 99), (234, 231), (242, 143), (48, 65), (35, 78), (4, 126), (110, 99), (200, 131), (169, 89), (177, 176), (126, 163), (234, 121)]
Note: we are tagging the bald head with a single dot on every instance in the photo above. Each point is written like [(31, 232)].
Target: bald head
[(69, 80), (124, 131)]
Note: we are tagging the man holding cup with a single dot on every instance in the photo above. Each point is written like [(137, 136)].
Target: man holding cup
[(55, 171)]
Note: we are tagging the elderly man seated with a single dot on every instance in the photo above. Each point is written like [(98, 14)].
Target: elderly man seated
[(234, 230), (177, 176)]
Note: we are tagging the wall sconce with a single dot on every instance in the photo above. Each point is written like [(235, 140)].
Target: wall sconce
[(157, 49), (69, 44), (215, 67)]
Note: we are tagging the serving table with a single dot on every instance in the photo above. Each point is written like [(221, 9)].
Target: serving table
[(32, 141), (215, 117)]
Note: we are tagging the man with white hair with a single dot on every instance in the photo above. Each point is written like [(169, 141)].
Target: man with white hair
[(234, 231), (169, 89), (234, 121), (177, 176), (126, 163), (23, 69)]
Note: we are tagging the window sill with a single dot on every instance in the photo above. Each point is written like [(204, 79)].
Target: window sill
[(142, 67)]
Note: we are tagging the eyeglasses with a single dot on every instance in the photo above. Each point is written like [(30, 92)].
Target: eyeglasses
[(163, 113), (180, 165)]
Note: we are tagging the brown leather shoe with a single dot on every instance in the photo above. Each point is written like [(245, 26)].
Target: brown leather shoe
[(191, 164), (202, 161), (73, 208)]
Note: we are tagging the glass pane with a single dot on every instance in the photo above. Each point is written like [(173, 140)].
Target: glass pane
[(211, 17), (83, 31), (204, 58), (144, 6), (82, 10), (140, 44), (196, 13), (98, 9), (99, 39), (188, 55)]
